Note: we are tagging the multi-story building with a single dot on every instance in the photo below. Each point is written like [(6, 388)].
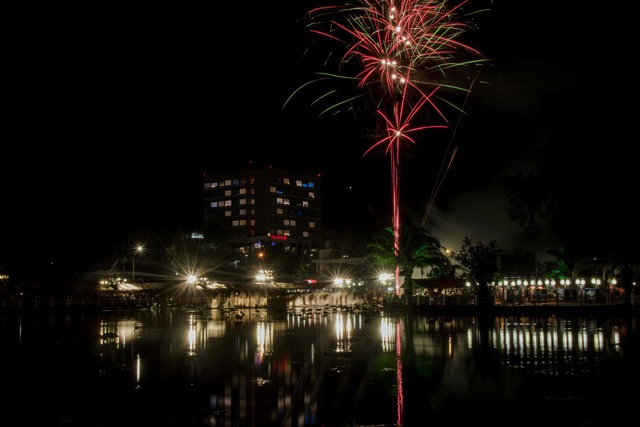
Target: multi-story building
[(265, 211)]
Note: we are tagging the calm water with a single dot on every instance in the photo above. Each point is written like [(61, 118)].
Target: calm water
[(320, 368)]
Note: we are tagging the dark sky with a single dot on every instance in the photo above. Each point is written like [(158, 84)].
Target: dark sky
[(112, 114)]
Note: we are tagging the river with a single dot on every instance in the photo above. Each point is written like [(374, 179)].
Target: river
[(326, 366)]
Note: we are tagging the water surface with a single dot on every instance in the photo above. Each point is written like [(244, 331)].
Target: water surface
[(317, 367)]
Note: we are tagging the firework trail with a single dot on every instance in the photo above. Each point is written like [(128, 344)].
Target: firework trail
[(402, 57)]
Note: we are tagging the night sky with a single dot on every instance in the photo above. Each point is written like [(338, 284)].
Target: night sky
[(113, 114)]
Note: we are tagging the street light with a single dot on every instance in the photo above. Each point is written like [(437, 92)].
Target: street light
[(139, 249)]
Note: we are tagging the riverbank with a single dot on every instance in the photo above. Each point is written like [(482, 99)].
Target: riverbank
[(306, 301), (561, 309)]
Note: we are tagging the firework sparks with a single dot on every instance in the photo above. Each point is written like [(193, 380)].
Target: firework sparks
[(399, 54)]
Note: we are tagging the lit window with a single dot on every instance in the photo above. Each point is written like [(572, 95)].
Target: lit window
[(312, 224), (214, 204), (252, 201), (234, 223), (272, 189), (311, 184), (242, 201), (286, 181), (299, 183), (279, 211), (312, 195), (227, 213), (287, 232), (243, 222), (286, 202), (242, 191), (305, 234), (243, 212), (227, 202), (227, 182), (279, 201), (227, 193), (253, 222), (305, 204), (207, 185)]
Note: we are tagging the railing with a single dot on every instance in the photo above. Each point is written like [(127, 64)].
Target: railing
[(500, 299), (133, 301), (100, 303), (471, 301)]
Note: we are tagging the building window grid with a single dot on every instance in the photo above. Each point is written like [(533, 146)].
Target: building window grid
[(286, 181)]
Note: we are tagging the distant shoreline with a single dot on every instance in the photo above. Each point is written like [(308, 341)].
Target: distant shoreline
[(595, 310), (278, 301)]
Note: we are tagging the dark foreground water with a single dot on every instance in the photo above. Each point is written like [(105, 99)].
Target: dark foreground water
[(316, 368)]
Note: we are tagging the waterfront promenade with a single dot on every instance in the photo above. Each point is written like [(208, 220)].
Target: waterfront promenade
[(297, 300)]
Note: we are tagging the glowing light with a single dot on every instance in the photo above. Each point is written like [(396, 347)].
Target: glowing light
[(264, 276), (400, 384), (384, 277), (138, 370), (138, 249)]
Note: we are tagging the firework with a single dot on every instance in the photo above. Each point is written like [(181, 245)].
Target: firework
[(403, 58)]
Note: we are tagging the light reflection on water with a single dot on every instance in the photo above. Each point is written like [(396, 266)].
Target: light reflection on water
[(317, 368)]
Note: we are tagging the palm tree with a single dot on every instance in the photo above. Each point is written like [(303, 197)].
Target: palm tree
[(416, 248), (564, 266)]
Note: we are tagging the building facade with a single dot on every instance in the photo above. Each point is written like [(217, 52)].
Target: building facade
[(265, 210)]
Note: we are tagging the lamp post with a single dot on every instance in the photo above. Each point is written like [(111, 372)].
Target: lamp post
[(139, 249)]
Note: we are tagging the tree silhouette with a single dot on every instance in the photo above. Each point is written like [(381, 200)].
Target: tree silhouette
[(415, 247), (480, 264)]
